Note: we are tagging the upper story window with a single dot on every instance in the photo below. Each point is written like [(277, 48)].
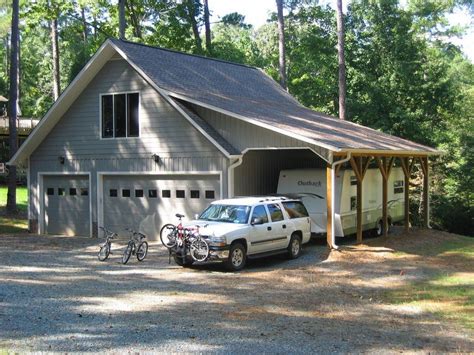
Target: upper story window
[(120, 115)]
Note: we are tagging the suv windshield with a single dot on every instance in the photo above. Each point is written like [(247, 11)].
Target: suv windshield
[(226, 213)]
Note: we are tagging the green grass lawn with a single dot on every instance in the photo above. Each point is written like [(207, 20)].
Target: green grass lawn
[(18, 223), (448, 293)]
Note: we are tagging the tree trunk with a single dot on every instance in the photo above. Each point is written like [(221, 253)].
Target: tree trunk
[(281, 44), (13, 105), (55, 50), (84, 26), (134, 20), (122, 23), (207, 26), (193, 12), (342, 62)]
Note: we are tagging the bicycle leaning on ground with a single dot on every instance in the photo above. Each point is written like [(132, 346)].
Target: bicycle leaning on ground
[(105, 247), (137, 245), (181, 239)]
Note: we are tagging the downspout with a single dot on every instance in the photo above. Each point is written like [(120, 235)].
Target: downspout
[(333, 186), (230, 176)]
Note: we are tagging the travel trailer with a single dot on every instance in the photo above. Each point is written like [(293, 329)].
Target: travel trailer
[(310, 186)]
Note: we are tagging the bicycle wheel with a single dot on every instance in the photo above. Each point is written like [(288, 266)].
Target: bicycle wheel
[(127, 253), (104, 252), (168, 235), (142, 251), (199, 249)]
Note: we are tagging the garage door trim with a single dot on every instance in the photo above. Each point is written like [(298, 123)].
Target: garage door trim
[(102, 174), (41, 176)]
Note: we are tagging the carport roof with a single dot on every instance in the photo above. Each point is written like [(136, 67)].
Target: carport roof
[(248, 93)]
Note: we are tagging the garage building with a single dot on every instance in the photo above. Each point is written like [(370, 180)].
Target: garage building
[(143, 133)]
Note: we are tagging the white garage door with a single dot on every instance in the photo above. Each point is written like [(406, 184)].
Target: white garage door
[(66, 205), (146, 203)]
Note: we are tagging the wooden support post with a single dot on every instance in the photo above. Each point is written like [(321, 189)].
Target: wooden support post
[(426, 187), (329, 197), (384, 205), (407, 167), (359, 166), (359, 211), (385, 169)]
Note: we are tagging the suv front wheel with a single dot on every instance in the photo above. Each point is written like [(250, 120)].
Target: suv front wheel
[(237, 257)]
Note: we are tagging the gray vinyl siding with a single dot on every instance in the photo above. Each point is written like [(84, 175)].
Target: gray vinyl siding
[(243, 135), (163, 131)]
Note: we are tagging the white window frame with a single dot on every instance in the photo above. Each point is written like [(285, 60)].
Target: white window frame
[(126, 114)]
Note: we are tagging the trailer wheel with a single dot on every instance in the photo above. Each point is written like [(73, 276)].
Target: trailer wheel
[(379, 229)]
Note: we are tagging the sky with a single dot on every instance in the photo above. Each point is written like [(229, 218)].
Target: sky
[(256, 13)]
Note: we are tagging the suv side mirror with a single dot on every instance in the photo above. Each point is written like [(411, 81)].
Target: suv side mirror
[(196, 216), (256, 220)]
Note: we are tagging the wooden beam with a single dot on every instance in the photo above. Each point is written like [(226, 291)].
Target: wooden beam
[(355, 167), (366, 166), (329, 198), (395, 154)]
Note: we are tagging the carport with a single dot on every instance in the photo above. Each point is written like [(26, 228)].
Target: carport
[(256, 172)]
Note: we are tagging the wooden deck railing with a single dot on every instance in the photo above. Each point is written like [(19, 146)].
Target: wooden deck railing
[(23, 123)]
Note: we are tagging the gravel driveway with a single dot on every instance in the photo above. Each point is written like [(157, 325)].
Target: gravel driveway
[(56, 296)]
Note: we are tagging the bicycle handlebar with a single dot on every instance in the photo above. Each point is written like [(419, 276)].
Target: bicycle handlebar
[(108, 233), (135, 232)]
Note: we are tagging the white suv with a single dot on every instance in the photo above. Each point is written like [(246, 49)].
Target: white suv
[(250, 227)]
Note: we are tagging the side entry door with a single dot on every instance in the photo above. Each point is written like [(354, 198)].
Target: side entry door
[(260, 230), (280, 228)]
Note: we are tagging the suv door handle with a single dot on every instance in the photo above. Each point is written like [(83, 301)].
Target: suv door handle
[(269, 228), (284, 226)]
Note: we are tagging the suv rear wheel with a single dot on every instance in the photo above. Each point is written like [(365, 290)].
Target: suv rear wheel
[(294, 248), (237, 257)]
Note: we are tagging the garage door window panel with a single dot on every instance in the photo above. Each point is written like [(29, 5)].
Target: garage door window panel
[(125, 193), (72, 191), (210, 194), (61, 191), (120, 115), (166, 193), (84, 191), (152, 193), (138, 193), (50, 191), (180, 194), (113, 193)]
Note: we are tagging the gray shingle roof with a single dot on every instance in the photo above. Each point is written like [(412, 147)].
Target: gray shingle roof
[(248, 92)]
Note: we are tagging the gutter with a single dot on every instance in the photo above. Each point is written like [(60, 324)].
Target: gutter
[(230, 176)]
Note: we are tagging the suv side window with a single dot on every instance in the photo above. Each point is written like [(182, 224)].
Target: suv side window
[(276, 213), (260, 212), (295, 209)]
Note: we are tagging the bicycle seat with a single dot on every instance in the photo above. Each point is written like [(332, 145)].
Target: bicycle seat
[(179, 215)]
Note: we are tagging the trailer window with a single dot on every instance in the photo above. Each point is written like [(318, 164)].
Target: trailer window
[(353, 180), (353, 203), (295, 209), (398, 186)]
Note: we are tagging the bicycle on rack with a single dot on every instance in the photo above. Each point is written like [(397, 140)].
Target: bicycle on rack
[(105, 247), (137, 245), (180, 240)]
